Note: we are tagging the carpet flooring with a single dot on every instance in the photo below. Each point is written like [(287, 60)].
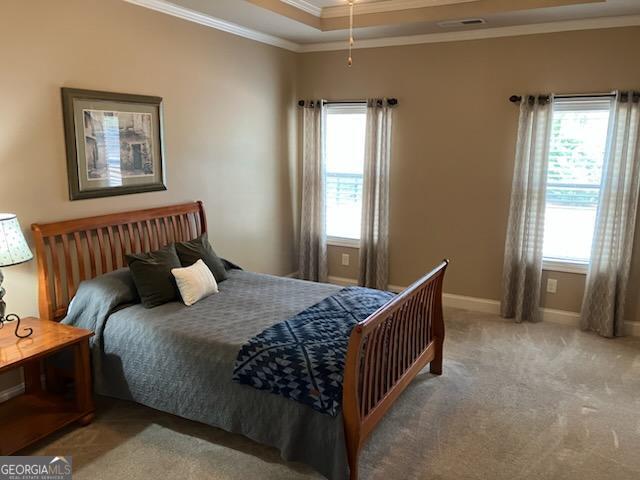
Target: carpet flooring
[(515, 402)]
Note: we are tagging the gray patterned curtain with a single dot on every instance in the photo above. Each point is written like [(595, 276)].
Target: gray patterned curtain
[(312, 262), (374, 232), (522, 271), (603, 304)]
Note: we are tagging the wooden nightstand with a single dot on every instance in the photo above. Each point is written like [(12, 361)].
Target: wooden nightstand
[(39, 412)]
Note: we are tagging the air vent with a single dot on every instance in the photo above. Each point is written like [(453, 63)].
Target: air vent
[(462, 23)]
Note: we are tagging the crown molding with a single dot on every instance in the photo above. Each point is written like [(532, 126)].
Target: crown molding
[(384, 6), (169, 8), (305, 7), (207, 20), (480, 34)]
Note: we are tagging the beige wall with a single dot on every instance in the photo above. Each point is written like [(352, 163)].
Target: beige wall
[(336, 269), (229, 104), (454, 139), (569, 294)]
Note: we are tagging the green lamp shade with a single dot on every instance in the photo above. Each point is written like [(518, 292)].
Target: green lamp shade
[(13, 246)]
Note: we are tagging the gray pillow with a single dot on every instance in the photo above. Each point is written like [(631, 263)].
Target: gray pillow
[(152, 275), (200, 248)]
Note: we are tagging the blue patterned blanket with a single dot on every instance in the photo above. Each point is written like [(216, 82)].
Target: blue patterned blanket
[(303, 358)]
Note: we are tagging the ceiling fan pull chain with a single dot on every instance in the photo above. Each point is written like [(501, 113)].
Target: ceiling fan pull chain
[(350, 61)]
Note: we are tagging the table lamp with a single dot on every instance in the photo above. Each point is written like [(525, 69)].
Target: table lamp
[(13, 250)]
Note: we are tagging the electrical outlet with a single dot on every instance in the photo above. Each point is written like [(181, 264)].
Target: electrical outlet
[(552, 285), (345, 259)]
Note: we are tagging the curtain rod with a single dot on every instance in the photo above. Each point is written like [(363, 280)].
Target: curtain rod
[(391, 101), (636, 96)]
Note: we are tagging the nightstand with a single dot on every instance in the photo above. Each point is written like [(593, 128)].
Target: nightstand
[(39, 412)]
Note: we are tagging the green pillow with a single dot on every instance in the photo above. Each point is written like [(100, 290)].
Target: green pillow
[(152, 275), (200, 248)]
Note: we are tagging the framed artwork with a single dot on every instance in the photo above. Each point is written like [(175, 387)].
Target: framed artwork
[(114, 143)]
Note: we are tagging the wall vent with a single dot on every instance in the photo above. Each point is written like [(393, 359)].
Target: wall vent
[(466, 22)]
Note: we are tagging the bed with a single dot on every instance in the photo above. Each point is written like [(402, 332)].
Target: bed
[(179, 359)]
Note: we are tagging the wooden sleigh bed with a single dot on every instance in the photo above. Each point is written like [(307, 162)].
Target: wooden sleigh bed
[(385, 352)]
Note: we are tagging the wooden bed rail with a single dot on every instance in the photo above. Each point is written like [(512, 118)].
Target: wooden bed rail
[(386, 352)]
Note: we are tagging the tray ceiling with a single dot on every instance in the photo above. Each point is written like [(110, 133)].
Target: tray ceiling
[(338, 8), (311, 25)]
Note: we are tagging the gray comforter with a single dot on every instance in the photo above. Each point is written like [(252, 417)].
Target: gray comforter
[(180, 360)]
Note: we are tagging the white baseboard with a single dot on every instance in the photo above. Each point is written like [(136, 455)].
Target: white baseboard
[(486, 305), (562, 317), (342, 281), (475, 304), (632, 329), (448, 299), (551, 315), (11, 392)]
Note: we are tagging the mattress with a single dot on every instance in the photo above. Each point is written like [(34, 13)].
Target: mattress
[(180, 360)]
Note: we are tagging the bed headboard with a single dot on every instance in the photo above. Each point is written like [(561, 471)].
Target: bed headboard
[(75, 250)]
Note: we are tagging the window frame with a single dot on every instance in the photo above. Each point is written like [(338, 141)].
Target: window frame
[(343, 242), (575, 105), (344, 109), (564, 266)]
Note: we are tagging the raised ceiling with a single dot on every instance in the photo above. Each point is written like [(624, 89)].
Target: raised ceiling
[(339, 8), (311, 25)]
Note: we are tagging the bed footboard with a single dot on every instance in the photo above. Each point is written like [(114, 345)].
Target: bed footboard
[(386, 352)]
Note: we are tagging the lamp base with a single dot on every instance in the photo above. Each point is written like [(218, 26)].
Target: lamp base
[(3, 305), (12, 317)]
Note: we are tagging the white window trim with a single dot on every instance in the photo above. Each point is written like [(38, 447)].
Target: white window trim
[(345, 108), (343, 242), (574, 104), (565, 266)]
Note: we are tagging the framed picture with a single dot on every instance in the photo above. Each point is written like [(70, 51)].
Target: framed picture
[(114, 143)]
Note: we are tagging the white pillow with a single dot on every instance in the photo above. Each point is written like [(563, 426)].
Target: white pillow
[(195, 282)]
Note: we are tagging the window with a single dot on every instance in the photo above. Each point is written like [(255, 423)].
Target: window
[(346, 126), (577, 150)]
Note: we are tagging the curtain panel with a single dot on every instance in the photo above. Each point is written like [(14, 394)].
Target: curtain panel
[(374, 230), (312, 261), (522, 270), (606, 285)]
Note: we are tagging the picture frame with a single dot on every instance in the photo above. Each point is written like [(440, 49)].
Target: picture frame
[(114, 143)]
